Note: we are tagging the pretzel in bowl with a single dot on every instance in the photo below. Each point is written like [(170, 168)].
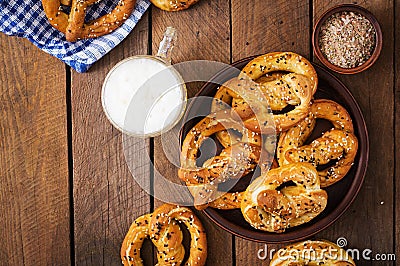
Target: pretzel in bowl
[(173, 5), (280, 61), (279, 90), (317, 252), (73, 25), (285, 197), (234, 161), (161, 226), (338, 146)]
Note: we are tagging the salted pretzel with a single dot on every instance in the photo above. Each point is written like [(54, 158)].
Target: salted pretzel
[(339, 144), (289, 89), (159, 227), (173, 5), (169, 245), (233, 200), (284, 197), (234, 161), (280, 61), (316, 252), (334, 144), (73, 25), (162, 228)]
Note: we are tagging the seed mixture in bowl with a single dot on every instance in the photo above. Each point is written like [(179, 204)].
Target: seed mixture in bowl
[(347, 39)]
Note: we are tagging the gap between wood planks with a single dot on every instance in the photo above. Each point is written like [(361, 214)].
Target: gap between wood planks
[(68, 97)]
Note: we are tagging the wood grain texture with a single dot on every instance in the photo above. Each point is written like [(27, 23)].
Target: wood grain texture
[(203, 33), (34, 205), (106, 197), (261, 26), (269, 29), (362, 224), (396, 203)]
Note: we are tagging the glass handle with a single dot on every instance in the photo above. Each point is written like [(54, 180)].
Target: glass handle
[(167, 44)]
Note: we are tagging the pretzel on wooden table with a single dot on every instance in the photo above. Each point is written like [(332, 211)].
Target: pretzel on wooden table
[(173, 5), (162, 228)]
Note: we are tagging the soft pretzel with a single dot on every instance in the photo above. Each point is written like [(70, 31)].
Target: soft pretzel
[(174, 5), (169, 245), (320, 109), (294, 89), (291, 89), (74, 26), (233, 200), (337, 144), (229, 157), (280, 61), (334, 144), (317, 252), (285, 197), (159, 227), (162, 228), (234, 161)]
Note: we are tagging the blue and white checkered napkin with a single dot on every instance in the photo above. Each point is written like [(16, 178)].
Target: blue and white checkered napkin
[(26, 18)]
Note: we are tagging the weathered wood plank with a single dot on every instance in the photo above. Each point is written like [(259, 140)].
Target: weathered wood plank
[(396, 61), (203, 33), (34, 205), (260, 27), (362, 224), (106, 197)]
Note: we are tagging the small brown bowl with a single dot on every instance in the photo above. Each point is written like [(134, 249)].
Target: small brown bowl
[(350, 8), (340, 194)]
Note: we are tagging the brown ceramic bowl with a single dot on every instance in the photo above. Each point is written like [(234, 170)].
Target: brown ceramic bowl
[(355, 9), (340, 194)]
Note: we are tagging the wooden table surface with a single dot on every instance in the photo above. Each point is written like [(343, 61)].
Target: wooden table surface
[(66, 194)]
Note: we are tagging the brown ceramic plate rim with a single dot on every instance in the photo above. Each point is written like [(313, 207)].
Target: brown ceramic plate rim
[(357, 9), (330, 218)]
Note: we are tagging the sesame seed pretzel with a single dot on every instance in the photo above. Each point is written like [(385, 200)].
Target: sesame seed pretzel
[(173, 5), (289, 89), (233, 200), (337, 144), (73, 25), (162, 228), (280, 61), (295, 88), (164, 216), (234, 161), (173, 252), (316, 252), (284, 197)]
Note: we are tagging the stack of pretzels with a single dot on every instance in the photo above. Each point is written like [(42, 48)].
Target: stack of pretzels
[(291, 193)]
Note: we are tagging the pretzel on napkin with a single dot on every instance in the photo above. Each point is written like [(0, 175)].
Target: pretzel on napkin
[(73, 25), (162, 228), (285, 197), (316, 252)]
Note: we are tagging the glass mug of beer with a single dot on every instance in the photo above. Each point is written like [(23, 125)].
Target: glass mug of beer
[(144, 95)]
